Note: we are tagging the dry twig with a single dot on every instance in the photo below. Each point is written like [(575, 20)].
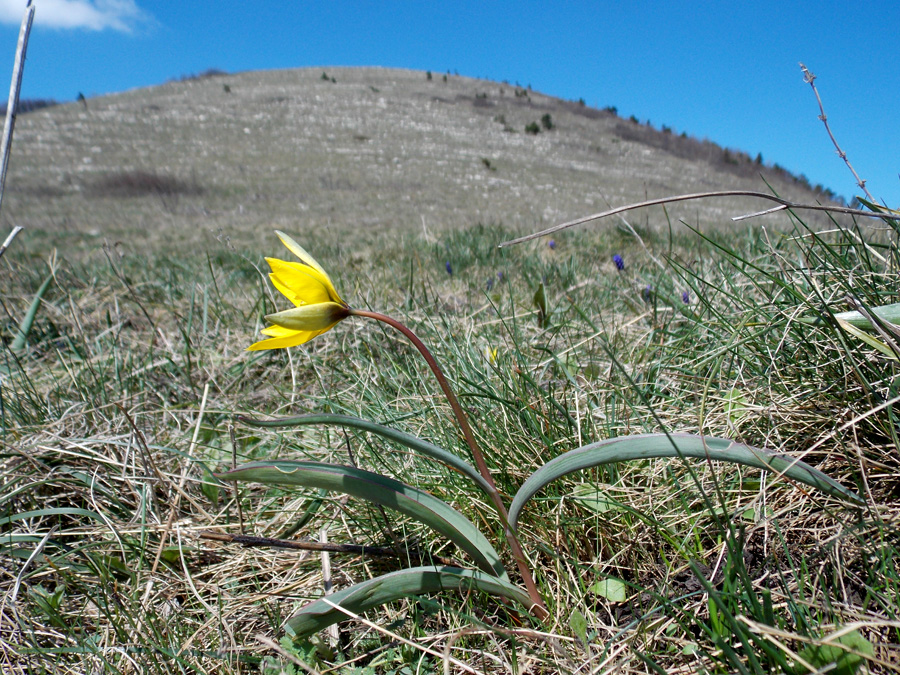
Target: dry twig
[(252, 541), (784, 204), (810, 79), (14, 89)]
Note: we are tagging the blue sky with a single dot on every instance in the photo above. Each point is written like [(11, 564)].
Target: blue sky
[(726, 71)]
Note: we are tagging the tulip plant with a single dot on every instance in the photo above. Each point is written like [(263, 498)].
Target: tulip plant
[(318, 308)]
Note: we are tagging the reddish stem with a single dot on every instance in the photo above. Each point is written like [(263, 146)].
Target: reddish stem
[(539, 609)]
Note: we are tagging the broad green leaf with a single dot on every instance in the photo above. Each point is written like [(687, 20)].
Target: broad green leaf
[(594, 499), (648, 446), (412, 442), (888, 313), (379, 489), (840, 656), (394, 586), (611, 589)]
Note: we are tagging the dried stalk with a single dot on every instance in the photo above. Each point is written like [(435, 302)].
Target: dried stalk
[(785, 204), (810, 79), (14, 88), (252, 541)]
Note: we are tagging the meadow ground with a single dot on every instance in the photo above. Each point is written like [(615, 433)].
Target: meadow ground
[(124, 399)]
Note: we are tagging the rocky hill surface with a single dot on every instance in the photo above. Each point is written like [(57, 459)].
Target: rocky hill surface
[(353, 150)]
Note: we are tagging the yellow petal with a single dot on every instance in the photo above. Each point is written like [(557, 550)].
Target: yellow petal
[(318, 317), (318, 306), (296, 284), (295, 338), (277, 331), (306, 284), (300, 252)]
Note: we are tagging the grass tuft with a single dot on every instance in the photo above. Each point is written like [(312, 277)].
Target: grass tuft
[(655, 565)]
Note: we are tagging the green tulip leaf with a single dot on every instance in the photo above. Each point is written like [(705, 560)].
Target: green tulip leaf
[(649, 446), (390, 493), (412, 442), (887, 313), (395, 586)]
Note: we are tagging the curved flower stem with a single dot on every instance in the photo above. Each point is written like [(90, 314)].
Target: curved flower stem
[(539, 609)]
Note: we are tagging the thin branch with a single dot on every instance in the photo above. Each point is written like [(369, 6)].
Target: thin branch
[(702, 195), (810, 79), (11, 236), (15, 87), (251, 541), (765, 212), (237, 494)]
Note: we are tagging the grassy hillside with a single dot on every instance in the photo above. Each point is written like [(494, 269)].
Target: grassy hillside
[(133, 385), (371, 152)]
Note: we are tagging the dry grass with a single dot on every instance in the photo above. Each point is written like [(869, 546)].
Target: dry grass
[(122, 404)]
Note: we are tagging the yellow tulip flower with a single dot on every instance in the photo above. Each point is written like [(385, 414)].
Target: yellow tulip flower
[(317, 305)]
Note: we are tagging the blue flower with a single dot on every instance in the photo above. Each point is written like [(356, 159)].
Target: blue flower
[(686, 298), (499, 276), (449, 269), (490, 283), (647, 292), (552, 243), (620, 264)]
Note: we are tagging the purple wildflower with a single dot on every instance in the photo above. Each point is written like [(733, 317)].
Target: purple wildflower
[(499, 276), (490, 283), (449, 269), (686, 298), (552, 243), (646, 293), (620, 264)]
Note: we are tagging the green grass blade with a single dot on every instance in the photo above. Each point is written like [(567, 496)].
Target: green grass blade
[(379, 489), (18, 342), (387, 588), (48, 513), (648, 446), (414, 443)]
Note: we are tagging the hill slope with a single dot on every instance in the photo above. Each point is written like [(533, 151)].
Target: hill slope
[(375, 149)]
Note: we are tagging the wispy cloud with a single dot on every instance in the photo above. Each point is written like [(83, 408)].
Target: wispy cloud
[(120, 15)]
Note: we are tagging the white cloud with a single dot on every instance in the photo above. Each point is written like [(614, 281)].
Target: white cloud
[(120, 15)]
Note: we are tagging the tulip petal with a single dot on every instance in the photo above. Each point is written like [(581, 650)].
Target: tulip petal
[(320, 316), (277, 331), (317, 305), (295, 338), (300, 284), (301, 253)]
